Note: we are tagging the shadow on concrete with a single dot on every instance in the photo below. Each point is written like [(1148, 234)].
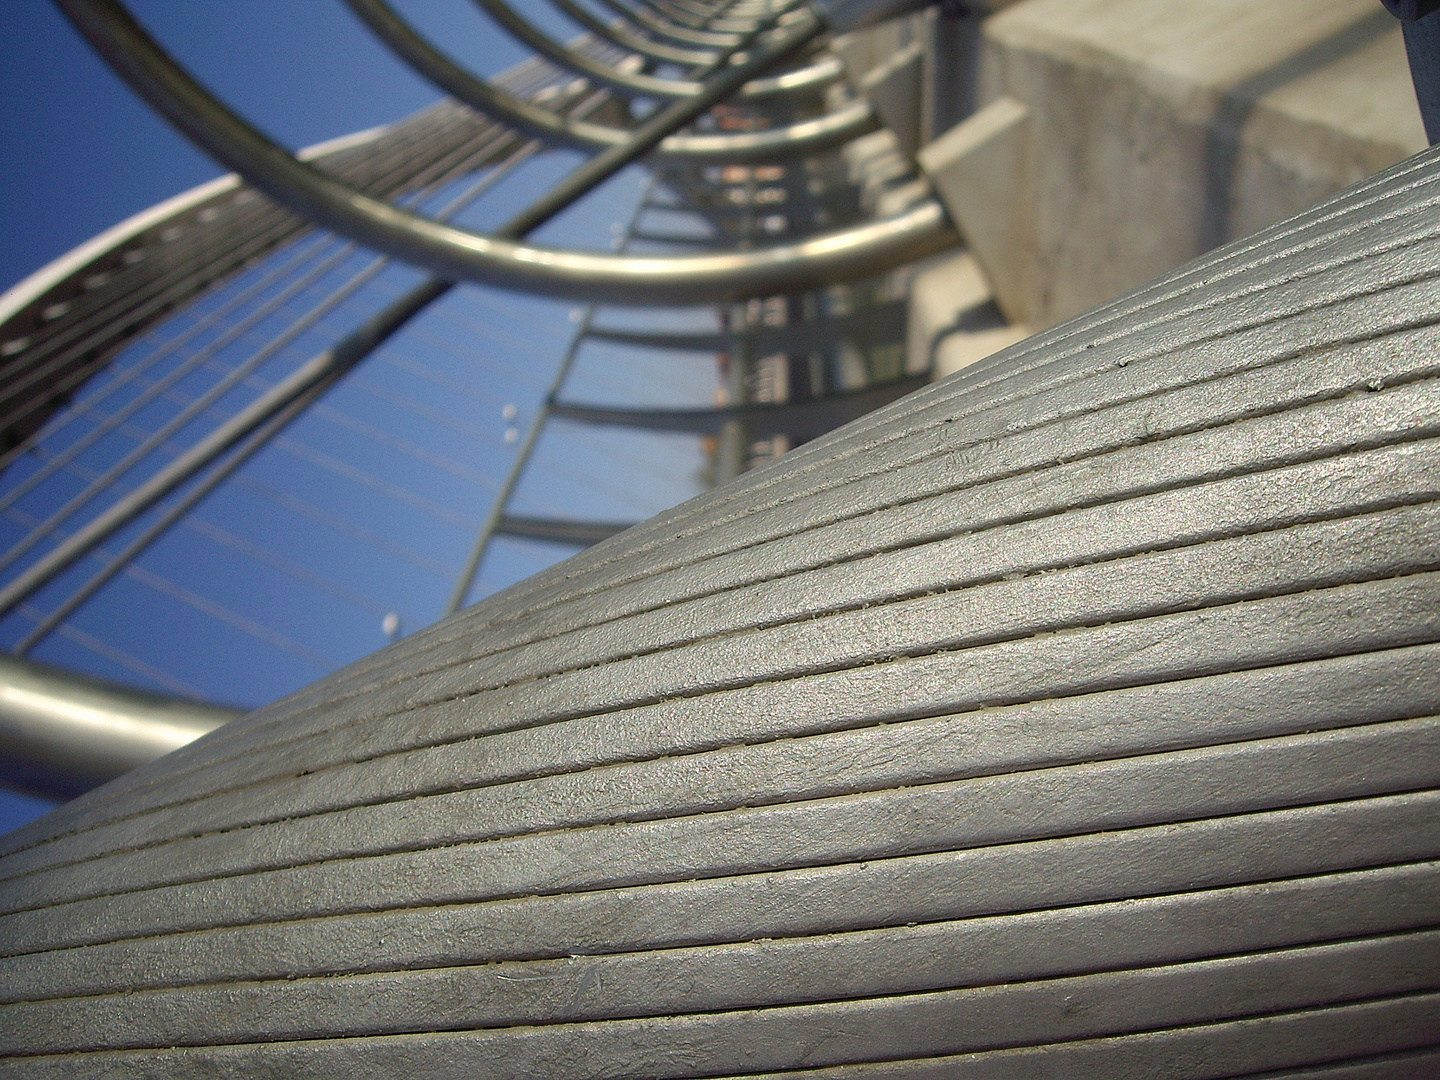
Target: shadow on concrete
[(1222, 150)]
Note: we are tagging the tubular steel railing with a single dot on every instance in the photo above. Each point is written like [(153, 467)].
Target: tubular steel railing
[(785, 127)]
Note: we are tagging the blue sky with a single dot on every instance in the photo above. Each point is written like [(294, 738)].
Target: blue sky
[(82, 153)]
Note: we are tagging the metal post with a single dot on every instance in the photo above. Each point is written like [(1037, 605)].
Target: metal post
[(466, 578), (668, 120)]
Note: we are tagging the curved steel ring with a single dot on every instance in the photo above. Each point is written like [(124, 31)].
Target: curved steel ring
[(806, 137), (459, 255), (618, 34), (701, 20), (815, 76), (661, 28)]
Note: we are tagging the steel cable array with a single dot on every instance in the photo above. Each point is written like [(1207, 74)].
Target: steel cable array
[(218, 457)]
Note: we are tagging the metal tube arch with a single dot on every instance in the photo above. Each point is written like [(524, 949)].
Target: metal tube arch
[(662, 28), (312, 378), (617, 33), (632, 84), (457, 254), (806, 137), (699, 20)]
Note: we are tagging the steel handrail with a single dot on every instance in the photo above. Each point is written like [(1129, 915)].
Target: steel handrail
[(619, 35), (61, 733), (813, 77), (664, 28), (806, 137), (457, 254)]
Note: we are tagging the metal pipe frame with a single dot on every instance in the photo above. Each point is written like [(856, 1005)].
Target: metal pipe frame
[(457, 254), (695, 20), (259, 422), (61, 733), (324, 370), (618, 34), (665, 29), (632, 84), (722, 81), (227, 448), (805, 137)]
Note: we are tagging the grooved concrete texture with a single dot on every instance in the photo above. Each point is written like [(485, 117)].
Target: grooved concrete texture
[(1076, 716), (1159, 130)]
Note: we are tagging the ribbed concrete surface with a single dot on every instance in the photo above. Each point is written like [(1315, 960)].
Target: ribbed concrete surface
[(1074, 717)]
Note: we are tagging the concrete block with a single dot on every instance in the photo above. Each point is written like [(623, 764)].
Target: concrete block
[(981, 169), (863, 50), (953, 320), (1162, 130), (895, 88)]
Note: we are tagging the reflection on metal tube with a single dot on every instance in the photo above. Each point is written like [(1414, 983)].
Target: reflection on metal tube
[(815, 76), (665, 29), (457, 254), (618, 34), (697, 19), (61, 733), (806, 137)]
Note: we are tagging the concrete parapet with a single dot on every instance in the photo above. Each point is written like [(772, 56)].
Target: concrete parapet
[(953, 319), (982, 171), (1158, 131)]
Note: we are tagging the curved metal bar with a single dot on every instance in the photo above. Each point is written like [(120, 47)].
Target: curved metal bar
[(699, 20), (877, 321), (457, 254), (621, 36), (806, 418), (812, 77), (806, 137), (558, 530), (62, 733), (664, 29)]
